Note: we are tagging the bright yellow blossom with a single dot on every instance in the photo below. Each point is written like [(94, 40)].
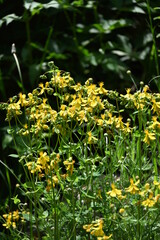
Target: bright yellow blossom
[(157, 184), (119, 122), (95, 228), (149, 136), (11, 219), (43, 160), (114, 192), (146, 190), (51, 183), (149, 202), (133, 189), (91, 138), (157, 198), (22, 100), (121, 210), (88, 227), (155, 106), (104, 237), (101, 89), (69, 164)]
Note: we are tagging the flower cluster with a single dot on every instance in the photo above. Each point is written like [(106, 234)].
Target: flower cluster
[(71, 139), (148, 193), (12, 218), (96, 229)]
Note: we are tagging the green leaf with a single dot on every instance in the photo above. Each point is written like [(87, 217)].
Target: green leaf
[(6, 141), (31, 5), (45, 214), (52, 4), (55, 55), (137, 9), (88, 196), (77, 3), (9, 18), (16, 200), (147, 167)]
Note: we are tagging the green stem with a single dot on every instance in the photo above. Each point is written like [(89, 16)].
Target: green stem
[(46, 46), (153, 37), (28, 32), (155, 166), (73, 212), (13, 51), (139, 155)]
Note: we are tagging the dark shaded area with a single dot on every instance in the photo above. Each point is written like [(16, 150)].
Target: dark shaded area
[(98, 39)]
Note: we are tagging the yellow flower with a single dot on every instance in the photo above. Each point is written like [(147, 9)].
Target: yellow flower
[(77, 87), (93, 101), (11, 219), (43, 160), (91, 138), (33, 167), (146, 89), (133, 189), (100, 121), (149, 202), (99, 194), (102, 90), (71, 111), (13, 109), (157, 184), (63, 112), (149, 137), (88, 227), (22, 100), (155, 123), (119, 122), (91, 89), (114, 192), (97, 231), (82, 116), (139, 102), (128, 96), (146, 190), (69, 165), (156, 198), (8, 219), (54, 164), (104, 237), (111, 119), (127, 128), (15, 215), (42, 88), (97, 228), (155, 106), (121, 210), (51, 183)]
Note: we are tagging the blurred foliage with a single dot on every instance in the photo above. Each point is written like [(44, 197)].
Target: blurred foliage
[(99, 39), (89, 38)]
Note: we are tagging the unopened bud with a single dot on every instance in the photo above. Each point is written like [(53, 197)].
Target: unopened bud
[(128, 72), (13, 48)]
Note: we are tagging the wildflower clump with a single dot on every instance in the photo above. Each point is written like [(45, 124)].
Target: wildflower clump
[(12, 219), (96, 229), (72, 139)]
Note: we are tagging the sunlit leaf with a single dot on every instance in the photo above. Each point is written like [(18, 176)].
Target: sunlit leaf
[(9, 18)]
